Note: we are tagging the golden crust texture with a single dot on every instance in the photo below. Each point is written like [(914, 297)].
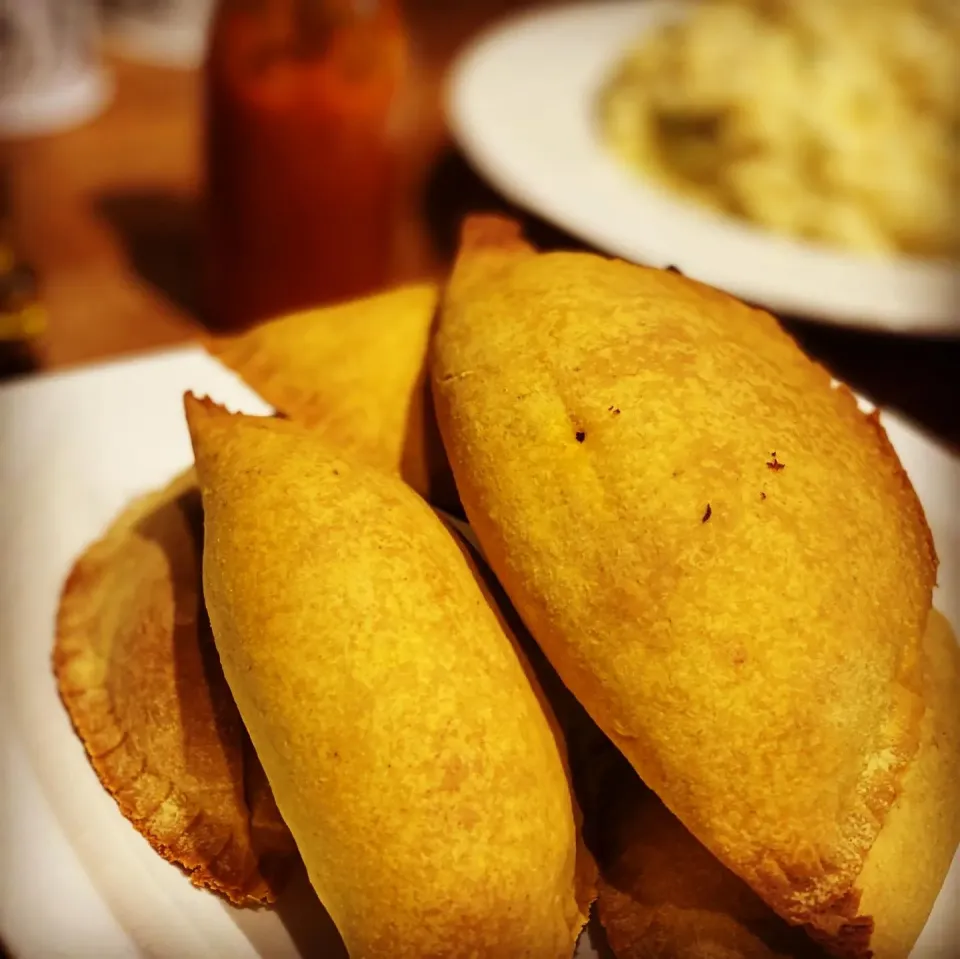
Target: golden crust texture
[(720, 554), (139, 675), (663, 896), (356, 372), (404, 741), (906, 867)]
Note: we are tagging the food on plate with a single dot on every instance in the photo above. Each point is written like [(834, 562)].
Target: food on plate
[(719, 553), (132, 620), (406, 742), (832, 120), (663, 896), (357, 372), (139, 675), (908, 863)]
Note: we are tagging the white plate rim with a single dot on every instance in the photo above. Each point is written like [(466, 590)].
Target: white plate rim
[(493, 99)]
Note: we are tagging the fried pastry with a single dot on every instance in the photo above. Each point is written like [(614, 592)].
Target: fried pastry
[(663, 896), (400, 728), (719, 553), (356, 371), (138, 672), (906, 867)]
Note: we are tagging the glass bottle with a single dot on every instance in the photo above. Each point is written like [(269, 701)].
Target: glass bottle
[(301, 97)]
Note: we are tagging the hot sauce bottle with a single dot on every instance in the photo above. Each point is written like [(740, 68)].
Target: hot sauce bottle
[(301, 102)]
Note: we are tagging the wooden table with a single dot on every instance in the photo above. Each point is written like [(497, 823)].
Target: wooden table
[(108, 215)]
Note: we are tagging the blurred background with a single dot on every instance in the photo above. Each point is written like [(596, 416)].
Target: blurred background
[(172, 167)]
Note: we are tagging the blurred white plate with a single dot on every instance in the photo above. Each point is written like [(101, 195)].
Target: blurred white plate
[(76, 880), (521, 101)]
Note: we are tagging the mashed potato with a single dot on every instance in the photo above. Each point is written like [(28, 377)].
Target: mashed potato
[(833, 120)]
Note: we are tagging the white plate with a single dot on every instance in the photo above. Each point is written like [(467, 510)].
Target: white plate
[(75, 878), (521, 102)]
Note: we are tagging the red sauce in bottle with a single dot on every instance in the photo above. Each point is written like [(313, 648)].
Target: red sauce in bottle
[(301, 96)]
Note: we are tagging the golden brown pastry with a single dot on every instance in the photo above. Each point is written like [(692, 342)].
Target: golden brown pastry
[(405, 742), (355, 371), (139, 674), (721, 556), (663, 896), (908, 863)]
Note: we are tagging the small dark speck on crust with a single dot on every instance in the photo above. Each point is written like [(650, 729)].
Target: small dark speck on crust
[(774, 463), (707, 513), (763, 495), (336, 472), (674, 269), (581, 436), (614, 409)]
